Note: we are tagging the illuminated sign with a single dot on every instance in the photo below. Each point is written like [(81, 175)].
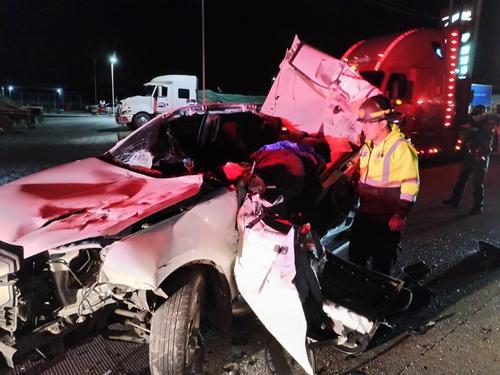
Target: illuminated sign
[(462, 42), (464, 16), (465, 50)]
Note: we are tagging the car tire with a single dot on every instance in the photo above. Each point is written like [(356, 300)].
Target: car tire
[(140, 119), (176, 346)]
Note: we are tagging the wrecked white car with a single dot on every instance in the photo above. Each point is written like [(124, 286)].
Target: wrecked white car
[(149, 231)]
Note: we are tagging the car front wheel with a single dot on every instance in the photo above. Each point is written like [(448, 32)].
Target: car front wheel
[(176, 346)]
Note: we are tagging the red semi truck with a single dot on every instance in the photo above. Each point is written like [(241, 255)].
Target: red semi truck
[(418, 71)]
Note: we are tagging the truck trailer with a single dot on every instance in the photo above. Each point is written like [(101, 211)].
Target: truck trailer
[(417, 71)]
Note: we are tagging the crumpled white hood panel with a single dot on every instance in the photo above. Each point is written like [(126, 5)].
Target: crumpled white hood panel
[(314, 89), (83, 199)]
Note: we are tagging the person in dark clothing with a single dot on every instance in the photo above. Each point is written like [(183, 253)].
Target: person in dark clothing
[(288, 169), (478, 142), (291, 170)]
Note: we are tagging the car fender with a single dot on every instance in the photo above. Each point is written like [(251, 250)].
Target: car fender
[(204, 234)]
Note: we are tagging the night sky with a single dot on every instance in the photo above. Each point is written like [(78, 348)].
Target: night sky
[(53, 43)]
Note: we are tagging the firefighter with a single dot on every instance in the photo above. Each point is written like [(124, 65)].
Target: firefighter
[(478, 143), (387, 187)]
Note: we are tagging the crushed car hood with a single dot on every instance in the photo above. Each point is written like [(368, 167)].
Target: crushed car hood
[(83, 199), (314, 90)]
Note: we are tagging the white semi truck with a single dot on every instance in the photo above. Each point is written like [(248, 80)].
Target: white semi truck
[(162, 94), (167, 93)]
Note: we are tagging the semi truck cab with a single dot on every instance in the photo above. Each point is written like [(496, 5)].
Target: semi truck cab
[(162, 94)]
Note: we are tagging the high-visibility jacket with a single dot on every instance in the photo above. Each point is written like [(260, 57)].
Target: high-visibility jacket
[(388, 176)]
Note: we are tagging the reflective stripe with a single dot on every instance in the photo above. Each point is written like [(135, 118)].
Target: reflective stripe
[(411, 181), (387, 160), (408, 197), (372, 182), (380, 113)]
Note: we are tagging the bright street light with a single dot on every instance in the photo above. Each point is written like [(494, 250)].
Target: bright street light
[(61, 97), (113, 60)]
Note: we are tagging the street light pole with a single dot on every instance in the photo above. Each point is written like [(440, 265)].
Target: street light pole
[(203, 50), (113, 60), (61, 96), (95, 84)]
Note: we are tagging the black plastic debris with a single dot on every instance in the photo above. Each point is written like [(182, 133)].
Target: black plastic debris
[(417, 270)]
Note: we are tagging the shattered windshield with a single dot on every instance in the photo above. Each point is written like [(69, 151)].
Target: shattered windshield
[(195, 140), (156, 150)]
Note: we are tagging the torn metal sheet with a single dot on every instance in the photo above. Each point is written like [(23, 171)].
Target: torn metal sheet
[(264, 272), (314, 89), (83, 199)]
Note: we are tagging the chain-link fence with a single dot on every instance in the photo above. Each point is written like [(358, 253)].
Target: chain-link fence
[(51, 100)]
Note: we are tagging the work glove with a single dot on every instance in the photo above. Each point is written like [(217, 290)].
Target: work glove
[(396, 223), (233, 171)]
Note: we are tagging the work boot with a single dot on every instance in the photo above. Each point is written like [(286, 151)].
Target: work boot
[(450, 202), (476, 211)]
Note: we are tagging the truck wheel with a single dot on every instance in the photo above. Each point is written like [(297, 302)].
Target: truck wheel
[(140, 119), (176, 345)]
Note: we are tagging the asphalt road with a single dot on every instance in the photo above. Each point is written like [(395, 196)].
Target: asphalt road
[(456, 332), (57, 140)]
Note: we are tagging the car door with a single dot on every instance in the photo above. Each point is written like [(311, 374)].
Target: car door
[(182, 97), (163, 102)]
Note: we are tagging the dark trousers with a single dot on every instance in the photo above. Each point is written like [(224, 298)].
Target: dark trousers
[(372, 238), (478, 167)]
